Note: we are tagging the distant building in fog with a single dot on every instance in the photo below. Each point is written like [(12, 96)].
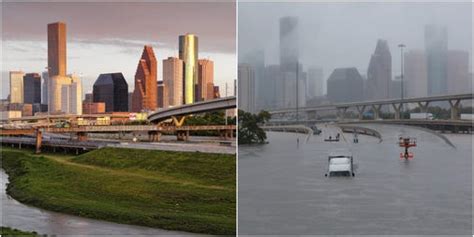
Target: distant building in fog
[(289, 47), (274, 86), (415, 78), (32, 88), (458, 76), (246, 81), (315, 82), (436, 45), (256, 59), (379, 73), (112, 89), (345, 85)]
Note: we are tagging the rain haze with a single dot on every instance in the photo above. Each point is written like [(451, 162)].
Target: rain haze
[(335, 35)]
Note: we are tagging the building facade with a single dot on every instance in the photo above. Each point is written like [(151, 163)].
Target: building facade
[(32, 88), (345, 85), (188, 52), (289, 44), (379, 73), (436, 45), (415, 78), (315, 82), (16, 87), (246, 81), (458, 72), (112, 89), (173, 82), (145, 92), (205, 88)]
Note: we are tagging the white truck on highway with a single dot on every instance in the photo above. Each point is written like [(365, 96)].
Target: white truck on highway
[(428, 116), (467, 116), (340, 163)]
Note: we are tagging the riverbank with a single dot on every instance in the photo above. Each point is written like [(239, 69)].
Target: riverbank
[(193, 192), (7, 232)]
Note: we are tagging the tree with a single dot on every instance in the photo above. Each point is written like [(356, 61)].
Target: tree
[(249, 130)]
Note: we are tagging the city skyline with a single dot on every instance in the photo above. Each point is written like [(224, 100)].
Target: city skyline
[(89, 48)]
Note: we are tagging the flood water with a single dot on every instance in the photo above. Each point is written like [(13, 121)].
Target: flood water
[(17, 215), (283, 190)]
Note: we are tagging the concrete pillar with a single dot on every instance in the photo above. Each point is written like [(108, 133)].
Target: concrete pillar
[(82, 136), (39, 141), (423, 106), (361, 109), (455, 109), (341, 113), (187, 135), (397, 107), (376, 109)]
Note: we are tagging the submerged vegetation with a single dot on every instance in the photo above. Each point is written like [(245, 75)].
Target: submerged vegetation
[(184, 191), (249, 130)]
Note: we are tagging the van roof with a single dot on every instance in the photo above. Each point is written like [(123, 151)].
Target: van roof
[(340, 152)]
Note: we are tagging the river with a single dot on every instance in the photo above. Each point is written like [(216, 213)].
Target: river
[(17, 215), (283, 190)]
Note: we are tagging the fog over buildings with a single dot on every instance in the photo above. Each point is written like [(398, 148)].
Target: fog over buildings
[(331, 36)]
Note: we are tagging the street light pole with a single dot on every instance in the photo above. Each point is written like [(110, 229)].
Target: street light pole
[(401, 77)]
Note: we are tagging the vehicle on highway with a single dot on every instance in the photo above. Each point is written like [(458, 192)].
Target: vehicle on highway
[(467, 116), (316, 130), (340, 163), (428, 116)]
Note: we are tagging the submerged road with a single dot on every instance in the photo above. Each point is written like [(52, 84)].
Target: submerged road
[(282, 188)]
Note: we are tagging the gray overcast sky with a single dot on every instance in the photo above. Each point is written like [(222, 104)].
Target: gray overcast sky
[(345, 34), (109, 36)]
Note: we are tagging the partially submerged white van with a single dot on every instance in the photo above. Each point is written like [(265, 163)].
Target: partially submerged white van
[(340, 163)]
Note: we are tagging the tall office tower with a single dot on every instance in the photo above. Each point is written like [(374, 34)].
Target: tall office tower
[(379, 74), (188, 52), (57, 49), (274, 86), (292, 81), (16, 86), (345, 85), (256, 59), (436, 45), (162, 95), (112, 89), (246, 80), (145, 93), (415, 79), (458, 72), (44, 88), (315, 82), (289, 47), (32, 88), (173, 81), (205, 79), (75, 94)]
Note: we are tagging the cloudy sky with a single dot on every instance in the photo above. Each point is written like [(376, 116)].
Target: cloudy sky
[(345, 34), (109, 37)]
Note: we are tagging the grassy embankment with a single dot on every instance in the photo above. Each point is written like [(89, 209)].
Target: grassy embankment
[(10, 232), (192, 192)]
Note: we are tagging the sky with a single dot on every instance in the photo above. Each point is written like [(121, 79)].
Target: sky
[(333, 35), (104, 37)]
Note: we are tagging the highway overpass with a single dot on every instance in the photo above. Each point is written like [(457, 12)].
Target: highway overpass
[(177, 113)]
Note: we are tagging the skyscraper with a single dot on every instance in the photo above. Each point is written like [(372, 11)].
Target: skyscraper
[(436, 44), (16, 86), (415, 75), (75, 94), (289, 47), (274, 86), (57, 49), (345, 85), (205, 89), (32, 88), (379, 73), (315, 82), (188, 52), (145, 93), (173, 82), (256, 59), (458, 72), (246, 80), (44, 90), (112, 89)]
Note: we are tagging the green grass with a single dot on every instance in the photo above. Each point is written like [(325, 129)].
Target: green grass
[(7, 232), (192, 192)]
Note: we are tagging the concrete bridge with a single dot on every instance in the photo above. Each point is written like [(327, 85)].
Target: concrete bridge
[(423, 102), (178, 113)]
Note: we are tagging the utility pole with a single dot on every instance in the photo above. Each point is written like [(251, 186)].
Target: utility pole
[(297, 90), (401, 77), (226, 109)]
